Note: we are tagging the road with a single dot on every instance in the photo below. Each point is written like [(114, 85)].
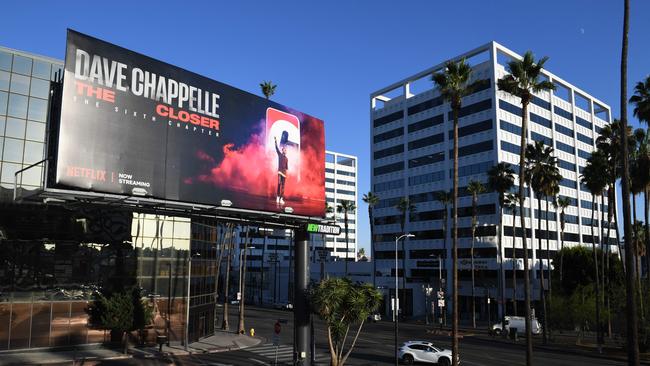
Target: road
[(374, 347)]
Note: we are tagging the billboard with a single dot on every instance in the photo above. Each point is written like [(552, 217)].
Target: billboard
[(133, 125)]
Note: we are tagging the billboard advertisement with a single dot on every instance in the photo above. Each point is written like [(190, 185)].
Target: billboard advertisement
[(134, 125)]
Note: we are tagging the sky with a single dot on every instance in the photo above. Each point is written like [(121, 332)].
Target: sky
[(327, 57)]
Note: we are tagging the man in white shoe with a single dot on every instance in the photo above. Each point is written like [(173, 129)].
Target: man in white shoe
[(283, 165)]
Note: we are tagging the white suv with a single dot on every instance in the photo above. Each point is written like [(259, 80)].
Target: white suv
[(424, 351)]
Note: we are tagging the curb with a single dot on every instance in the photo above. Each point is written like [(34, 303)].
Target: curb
[(157, 354)]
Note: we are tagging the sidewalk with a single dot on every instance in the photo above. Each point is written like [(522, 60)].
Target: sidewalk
[(220, 342)]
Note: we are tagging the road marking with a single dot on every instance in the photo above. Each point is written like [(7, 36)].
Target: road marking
[(260, 362)]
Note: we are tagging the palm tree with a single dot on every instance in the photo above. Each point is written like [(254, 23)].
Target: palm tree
[(543, 176), (372, 199), (524, 80), (328, 210), (444, 197), (225, 325), (346, 207), (512, 202), (630, 308), (241, 329), (561, 204), (405, 207), (474, 188), (596, 182), (453, 85), (268, 89), (501, 179)]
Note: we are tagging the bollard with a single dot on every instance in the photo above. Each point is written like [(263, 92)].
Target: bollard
[(252, 332)]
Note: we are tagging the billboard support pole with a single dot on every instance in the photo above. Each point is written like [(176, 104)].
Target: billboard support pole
[(301, 299)]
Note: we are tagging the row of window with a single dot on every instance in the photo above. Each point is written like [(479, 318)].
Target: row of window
[(385, 186), (426, 141), (399, 131), (473, 148), (426, 123), (426, 160), (389, 168), (562, 113), (21, 106), (541, 138), (472, 129), (27, 66), (388, 118), (340, 172), (541, 120), (471, 109), (564, 130), (393, 150), (427, 178)]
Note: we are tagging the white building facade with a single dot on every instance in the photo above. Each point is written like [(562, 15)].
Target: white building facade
[(341, 185), (411, 143)]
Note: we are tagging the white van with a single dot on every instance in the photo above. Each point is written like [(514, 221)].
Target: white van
[(518, 322)]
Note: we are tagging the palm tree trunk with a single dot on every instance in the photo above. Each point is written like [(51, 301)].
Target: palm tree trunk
[(606, 290), (225, 325), (593, 246), (522, 201), (372, 247), (347, 244), (454, 234), (241, 329), (473, 283), (444, 235), (646, 205), (631, 312), (514, 260), (262, 269), (542, 291), (502, 277), (547, 311), (221, 244)]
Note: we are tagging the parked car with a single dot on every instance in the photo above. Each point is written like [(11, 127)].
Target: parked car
[(283, 306), (518, 322), (375, 317), (424, 351)]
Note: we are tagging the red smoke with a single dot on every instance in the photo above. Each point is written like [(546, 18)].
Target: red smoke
[(251, 170)]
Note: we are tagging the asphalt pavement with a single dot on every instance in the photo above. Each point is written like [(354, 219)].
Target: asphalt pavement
[(375, 346)]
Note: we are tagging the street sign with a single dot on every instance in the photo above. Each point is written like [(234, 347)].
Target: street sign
[(323, 229)]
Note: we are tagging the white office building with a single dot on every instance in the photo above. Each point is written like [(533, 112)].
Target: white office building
[(341, 185), (411, 144)]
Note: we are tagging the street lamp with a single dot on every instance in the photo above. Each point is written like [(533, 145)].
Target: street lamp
[(396, 304), (187, 310)]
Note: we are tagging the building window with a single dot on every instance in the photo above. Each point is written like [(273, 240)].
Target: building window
[(569, 183), (583, 154), (564, 130), (539, 137), (585, 139), (388, 119), (541, 103), (426, 123), (472, 129), (507, 126), (472, 108), (541, 120), (389, 168), (473, 148), (562, 113), (426, 178), (426, 160), (393, 150), (583, 122), (431, 103), (473, 169), (566, 165), (389, 135), (426, 141), (564, 147), (385, 186), (508, 107)]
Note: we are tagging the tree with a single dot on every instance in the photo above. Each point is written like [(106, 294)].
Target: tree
[(543, 176), (371, 200), (640, 174), (630, 283), (595, 182), (241, 329), (224, 324), (346, 207), (361, 255), (474, 188), (444, 197), (522, 82), (453, 83), (501, 179), (562, 203), (121, 312), (328, 210), (268, 89), (405, 208), (343, 305), (512, 202)]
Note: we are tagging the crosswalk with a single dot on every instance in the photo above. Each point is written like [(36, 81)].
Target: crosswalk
[(284, 354)]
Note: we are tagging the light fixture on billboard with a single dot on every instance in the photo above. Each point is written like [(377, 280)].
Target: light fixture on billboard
[(288, 210), (140, 192), (226, 203), (52, 200)]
